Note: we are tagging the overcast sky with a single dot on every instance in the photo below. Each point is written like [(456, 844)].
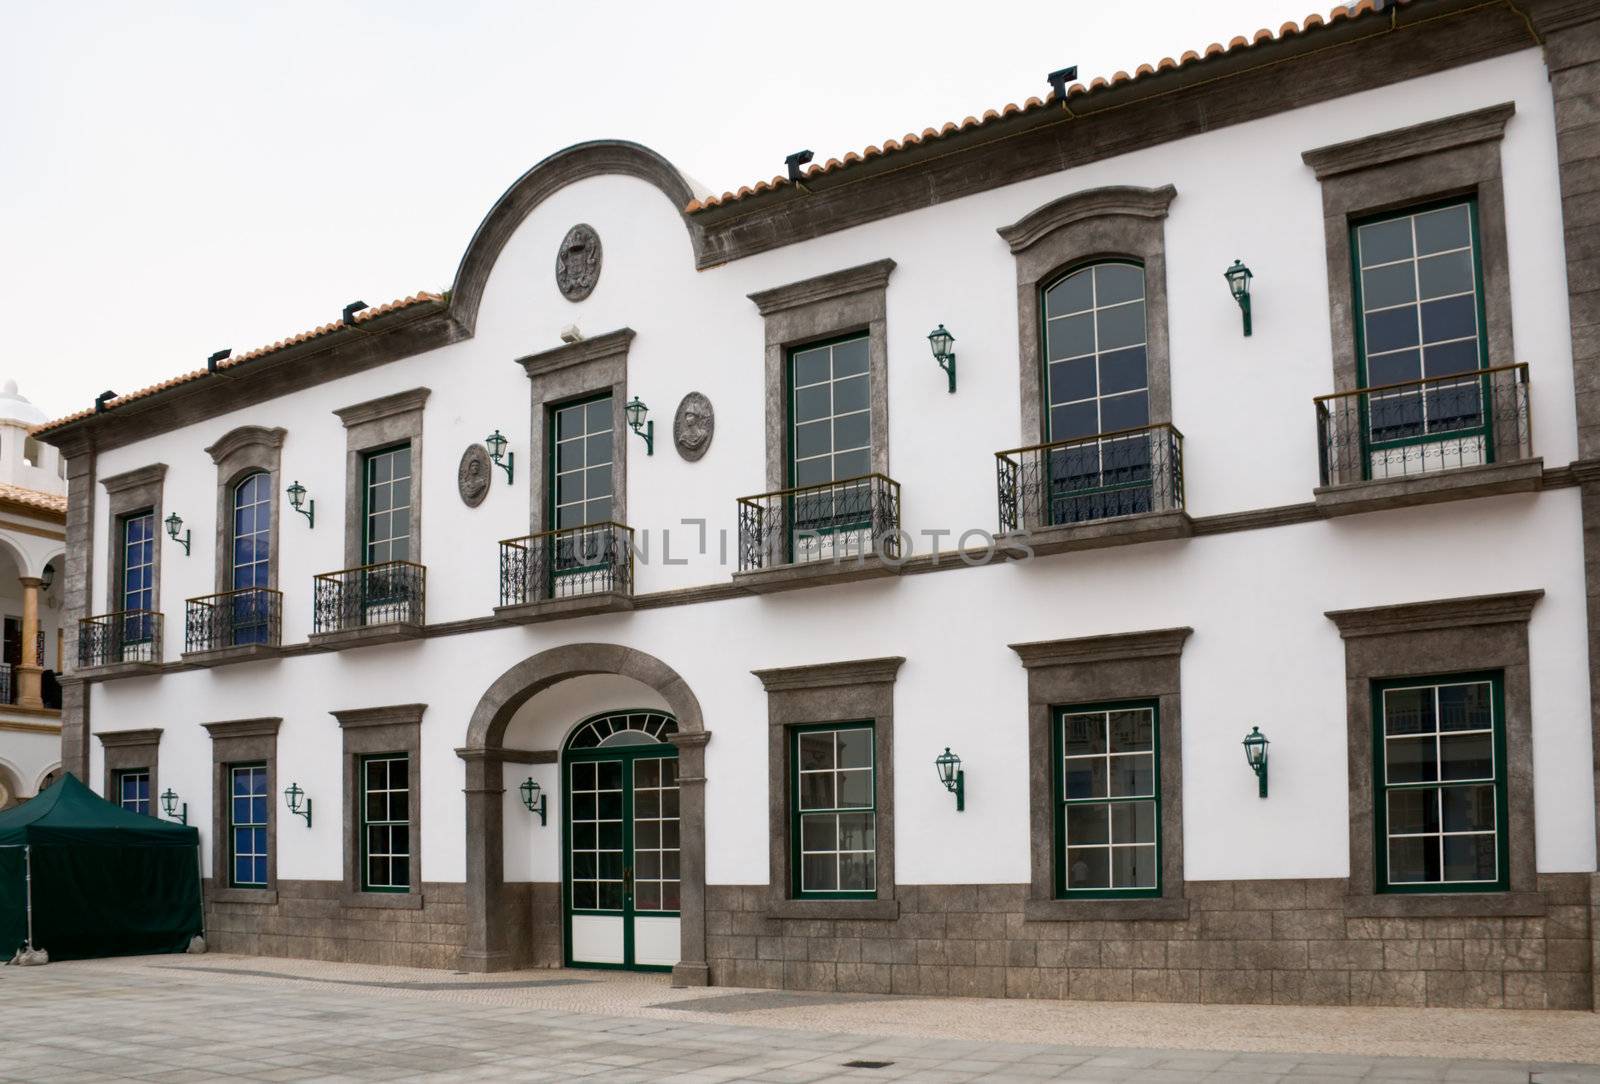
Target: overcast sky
[(178, 178)]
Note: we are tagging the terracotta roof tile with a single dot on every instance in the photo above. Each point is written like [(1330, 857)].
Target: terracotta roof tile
[(990, 116), (53, 503), (370, 313)]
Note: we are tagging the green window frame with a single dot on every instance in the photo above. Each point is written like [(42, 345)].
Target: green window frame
[(1439, 766), (1096, 364), (580, 471), (386, 822), (249, 791), (833, 807), (1419, 312), (829, 437), (386, 503), (1106, 778)]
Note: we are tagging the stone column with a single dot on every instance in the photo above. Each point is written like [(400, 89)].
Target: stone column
[(692, 969), (486, 948), (27, 675)]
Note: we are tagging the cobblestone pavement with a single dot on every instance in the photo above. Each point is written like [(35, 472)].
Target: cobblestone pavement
[(180, 1018)]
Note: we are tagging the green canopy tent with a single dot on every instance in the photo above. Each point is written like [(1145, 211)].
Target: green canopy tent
[(81, 877)]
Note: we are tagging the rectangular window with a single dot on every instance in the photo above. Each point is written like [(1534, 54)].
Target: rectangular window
[(133, 790), (386, 823), (833, 809), (247, 825), (1107, 785), (581, 483), (137, 561), (1439, 754), (386, 524), (830, 427), (1418, 290)]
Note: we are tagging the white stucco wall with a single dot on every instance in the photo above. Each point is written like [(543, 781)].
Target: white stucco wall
[(1262, 652)]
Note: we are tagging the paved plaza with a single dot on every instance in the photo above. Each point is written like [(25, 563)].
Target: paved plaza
[(197, 1018)]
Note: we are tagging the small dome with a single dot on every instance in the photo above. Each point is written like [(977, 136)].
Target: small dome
[(15, 408)]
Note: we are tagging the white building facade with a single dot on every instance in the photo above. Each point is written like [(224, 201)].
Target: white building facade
[(1130, 520)]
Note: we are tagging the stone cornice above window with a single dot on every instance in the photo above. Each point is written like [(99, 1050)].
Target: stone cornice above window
[(1091, 203), (600, 348), (1091, 649), (835, 284), (401, 402), (244, 728), (153, 475), (389, 715), (831, 675), (1450, 613), (117, 739), (1431, 137), (246, 436)]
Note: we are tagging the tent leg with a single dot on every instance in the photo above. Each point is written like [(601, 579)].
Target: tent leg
[(29, 955)]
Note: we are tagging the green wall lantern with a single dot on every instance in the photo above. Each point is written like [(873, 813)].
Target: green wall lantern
[(637, 412), (939, 340), (533, 799), (169, 806), (1255, 754), (497, 452), (953, 778), (297, 797), (1239, 277), (297, 501), (174, 525)]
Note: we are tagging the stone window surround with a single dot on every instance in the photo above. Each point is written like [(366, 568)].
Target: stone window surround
[(1096, 669), (242, 741), (1095, 225), (573, 371), (130, 750), (242, 452), (368, 731), (811, 310), (369, 426), (1455, 635), (838, 692), (1453, 156), (127, 493)]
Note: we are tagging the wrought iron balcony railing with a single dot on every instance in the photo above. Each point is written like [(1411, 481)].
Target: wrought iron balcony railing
[(590, 560), (252, 616), (1421, 426), (1124, 473), (835, 521), (391, 593), (129, 636), (8, 684)]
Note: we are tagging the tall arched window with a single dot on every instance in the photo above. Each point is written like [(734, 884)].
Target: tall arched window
[(251, 557), (1094, 330)]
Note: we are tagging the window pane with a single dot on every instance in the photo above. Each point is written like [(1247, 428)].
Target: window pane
[(1468, 809), (1408, 711), (1121, 326), (1132, 731), (1443, 229), (1413, 859), (816, 751), (1122, 370), (857, 831), (1116, 282), (1412, 760), (811, 367), (1133, 822), (1072, 380), (816, 791), (1088, 824), (1085, 734), (1469, 858), (850, 358), (1466, 707), (1382, 287), (1133, 867), (1133, 774), (855, 748), (1384, 242), (1088, 867), (1391, 329), (1075, 293), (1124, 412), (1413, 811), (819, 832), (1451, 318), (1447, 274), (1086, 778), (851, 394), (812, 403), (1466, 756), (856, 872), (1071, 336), (819, 873)]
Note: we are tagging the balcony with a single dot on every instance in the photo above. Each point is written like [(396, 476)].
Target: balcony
[(820, 534), (1105, 490), (1446, 437), (113, 645), (566, 573), (373, 604), (233, 626)]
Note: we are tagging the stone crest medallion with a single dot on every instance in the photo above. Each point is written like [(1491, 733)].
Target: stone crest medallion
[(472, 477), (693, 425), (578, 262)]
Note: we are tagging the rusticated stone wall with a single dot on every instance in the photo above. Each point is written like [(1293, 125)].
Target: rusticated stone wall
[(1244, 942)]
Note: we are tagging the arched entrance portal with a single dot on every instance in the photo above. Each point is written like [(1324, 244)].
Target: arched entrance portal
[(492, 926)]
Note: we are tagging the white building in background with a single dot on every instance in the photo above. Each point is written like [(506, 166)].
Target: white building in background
[(566, 693), (33, 514)]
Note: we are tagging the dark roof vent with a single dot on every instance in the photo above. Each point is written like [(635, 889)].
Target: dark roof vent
[(795, 161), (1059, 79), (102, 399), (220, 355), (350, 311)]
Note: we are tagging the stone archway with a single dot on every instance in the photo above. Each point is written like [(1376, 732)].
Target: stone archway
[(488, 946)]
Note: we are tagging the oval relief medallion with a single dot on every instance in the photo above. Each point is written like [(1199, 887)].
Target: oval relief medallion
[(472, 477), (578, 262), (693, 425)]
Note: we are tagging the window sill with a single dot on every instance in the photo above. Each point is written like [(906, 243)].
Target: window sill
[(815, 574), (263, 896), (1102, 533), (1134, 910), (394, 901), (1443, 905), (1459, 483), (551, 609), (844, 910)]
